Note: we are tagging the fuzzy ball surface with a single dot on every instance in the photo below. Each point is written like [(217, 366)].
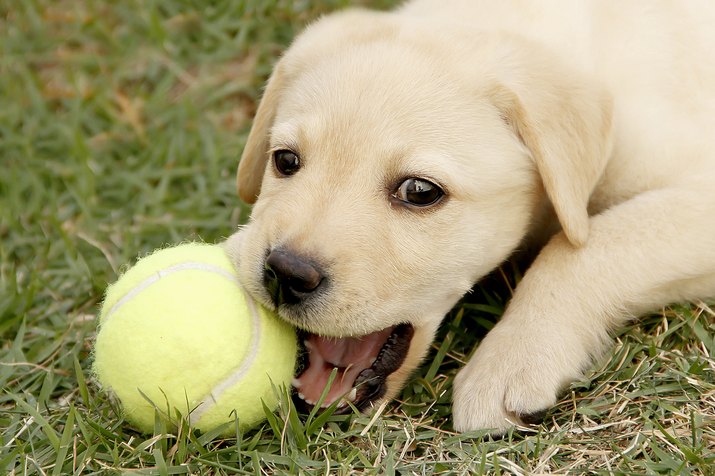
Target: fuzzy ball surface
[(178, 333)]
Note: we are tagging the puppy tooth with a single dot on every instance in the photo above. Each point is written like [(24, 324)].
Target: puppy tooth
[(309, 402), (302, 397), (308, 345), (352, 395), (296, 383), (342, 404)]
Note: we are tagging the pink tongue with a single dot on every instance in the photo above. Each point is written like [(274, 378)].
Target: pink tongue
[(351, 355)]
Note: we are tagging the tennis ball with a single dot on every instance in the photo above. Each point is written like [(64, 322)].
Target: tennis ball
[(177, 332)]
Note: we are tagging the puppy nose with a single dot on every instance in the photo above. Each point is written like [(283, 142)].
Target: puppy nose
[(288, 278)]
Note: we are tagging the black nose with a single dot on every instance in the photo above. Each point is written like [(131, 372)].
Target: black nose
[(289, 279)]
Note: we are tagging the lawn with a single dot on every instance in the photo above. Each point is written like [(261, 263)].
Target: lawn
[(121, 124)]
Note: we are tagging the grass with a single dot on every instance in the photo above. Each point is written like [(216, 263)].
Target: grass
[(120, 128)]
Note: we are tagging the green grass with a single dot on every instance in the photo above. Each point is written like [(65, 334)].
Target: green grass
[(121, 124)]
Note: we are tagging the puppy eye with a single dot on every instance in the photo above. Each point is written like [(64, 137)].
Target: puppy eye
[(286, 161), (418, 192)]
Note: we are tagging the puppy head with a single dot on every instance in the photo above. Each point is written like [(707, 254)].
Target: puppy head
[(390, 176)]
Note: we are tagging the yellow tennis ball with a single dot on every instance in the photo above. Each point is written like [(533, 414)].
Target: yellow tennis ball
[(178, 329)]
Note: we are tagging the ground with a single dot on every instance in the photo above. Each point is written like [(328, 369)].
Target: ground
[(121, 124)]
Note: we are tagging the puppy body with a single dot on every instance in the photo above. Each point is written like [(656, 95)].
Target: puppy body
[(591, 121)]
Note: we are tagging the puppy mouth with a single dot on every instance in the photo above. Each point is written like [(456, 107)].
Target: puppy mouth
[(362, 366)]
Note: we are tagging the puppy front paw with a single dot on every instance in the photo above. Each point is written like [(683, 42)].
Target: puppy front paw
[(513, 378)]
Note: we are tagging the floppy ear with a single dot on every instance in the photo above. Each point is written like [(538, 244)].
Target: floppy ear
[(565, 124), (255, 154)]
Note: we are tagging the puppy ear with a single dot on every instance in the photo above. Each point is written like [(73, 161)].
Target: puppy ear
[(255, 154), (565, 124)]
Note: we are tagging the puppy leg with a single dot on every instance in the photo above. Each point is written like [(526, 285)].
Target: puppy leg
[(647, 252)]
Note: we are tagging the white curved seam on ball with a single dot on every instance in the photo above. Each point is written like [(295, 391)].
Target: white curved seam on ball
[(208, 402), (189, 265)]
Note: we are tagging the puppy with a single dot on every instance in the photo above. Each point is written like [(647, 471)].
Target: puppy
[(398, 157)]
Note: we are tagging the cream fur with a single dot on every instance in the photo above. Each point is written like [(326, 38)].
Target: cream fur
[(594, 115)]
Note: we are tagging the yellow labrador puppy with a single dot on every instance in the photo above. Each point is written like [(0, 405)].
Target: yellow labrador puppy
[(398, 157)]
